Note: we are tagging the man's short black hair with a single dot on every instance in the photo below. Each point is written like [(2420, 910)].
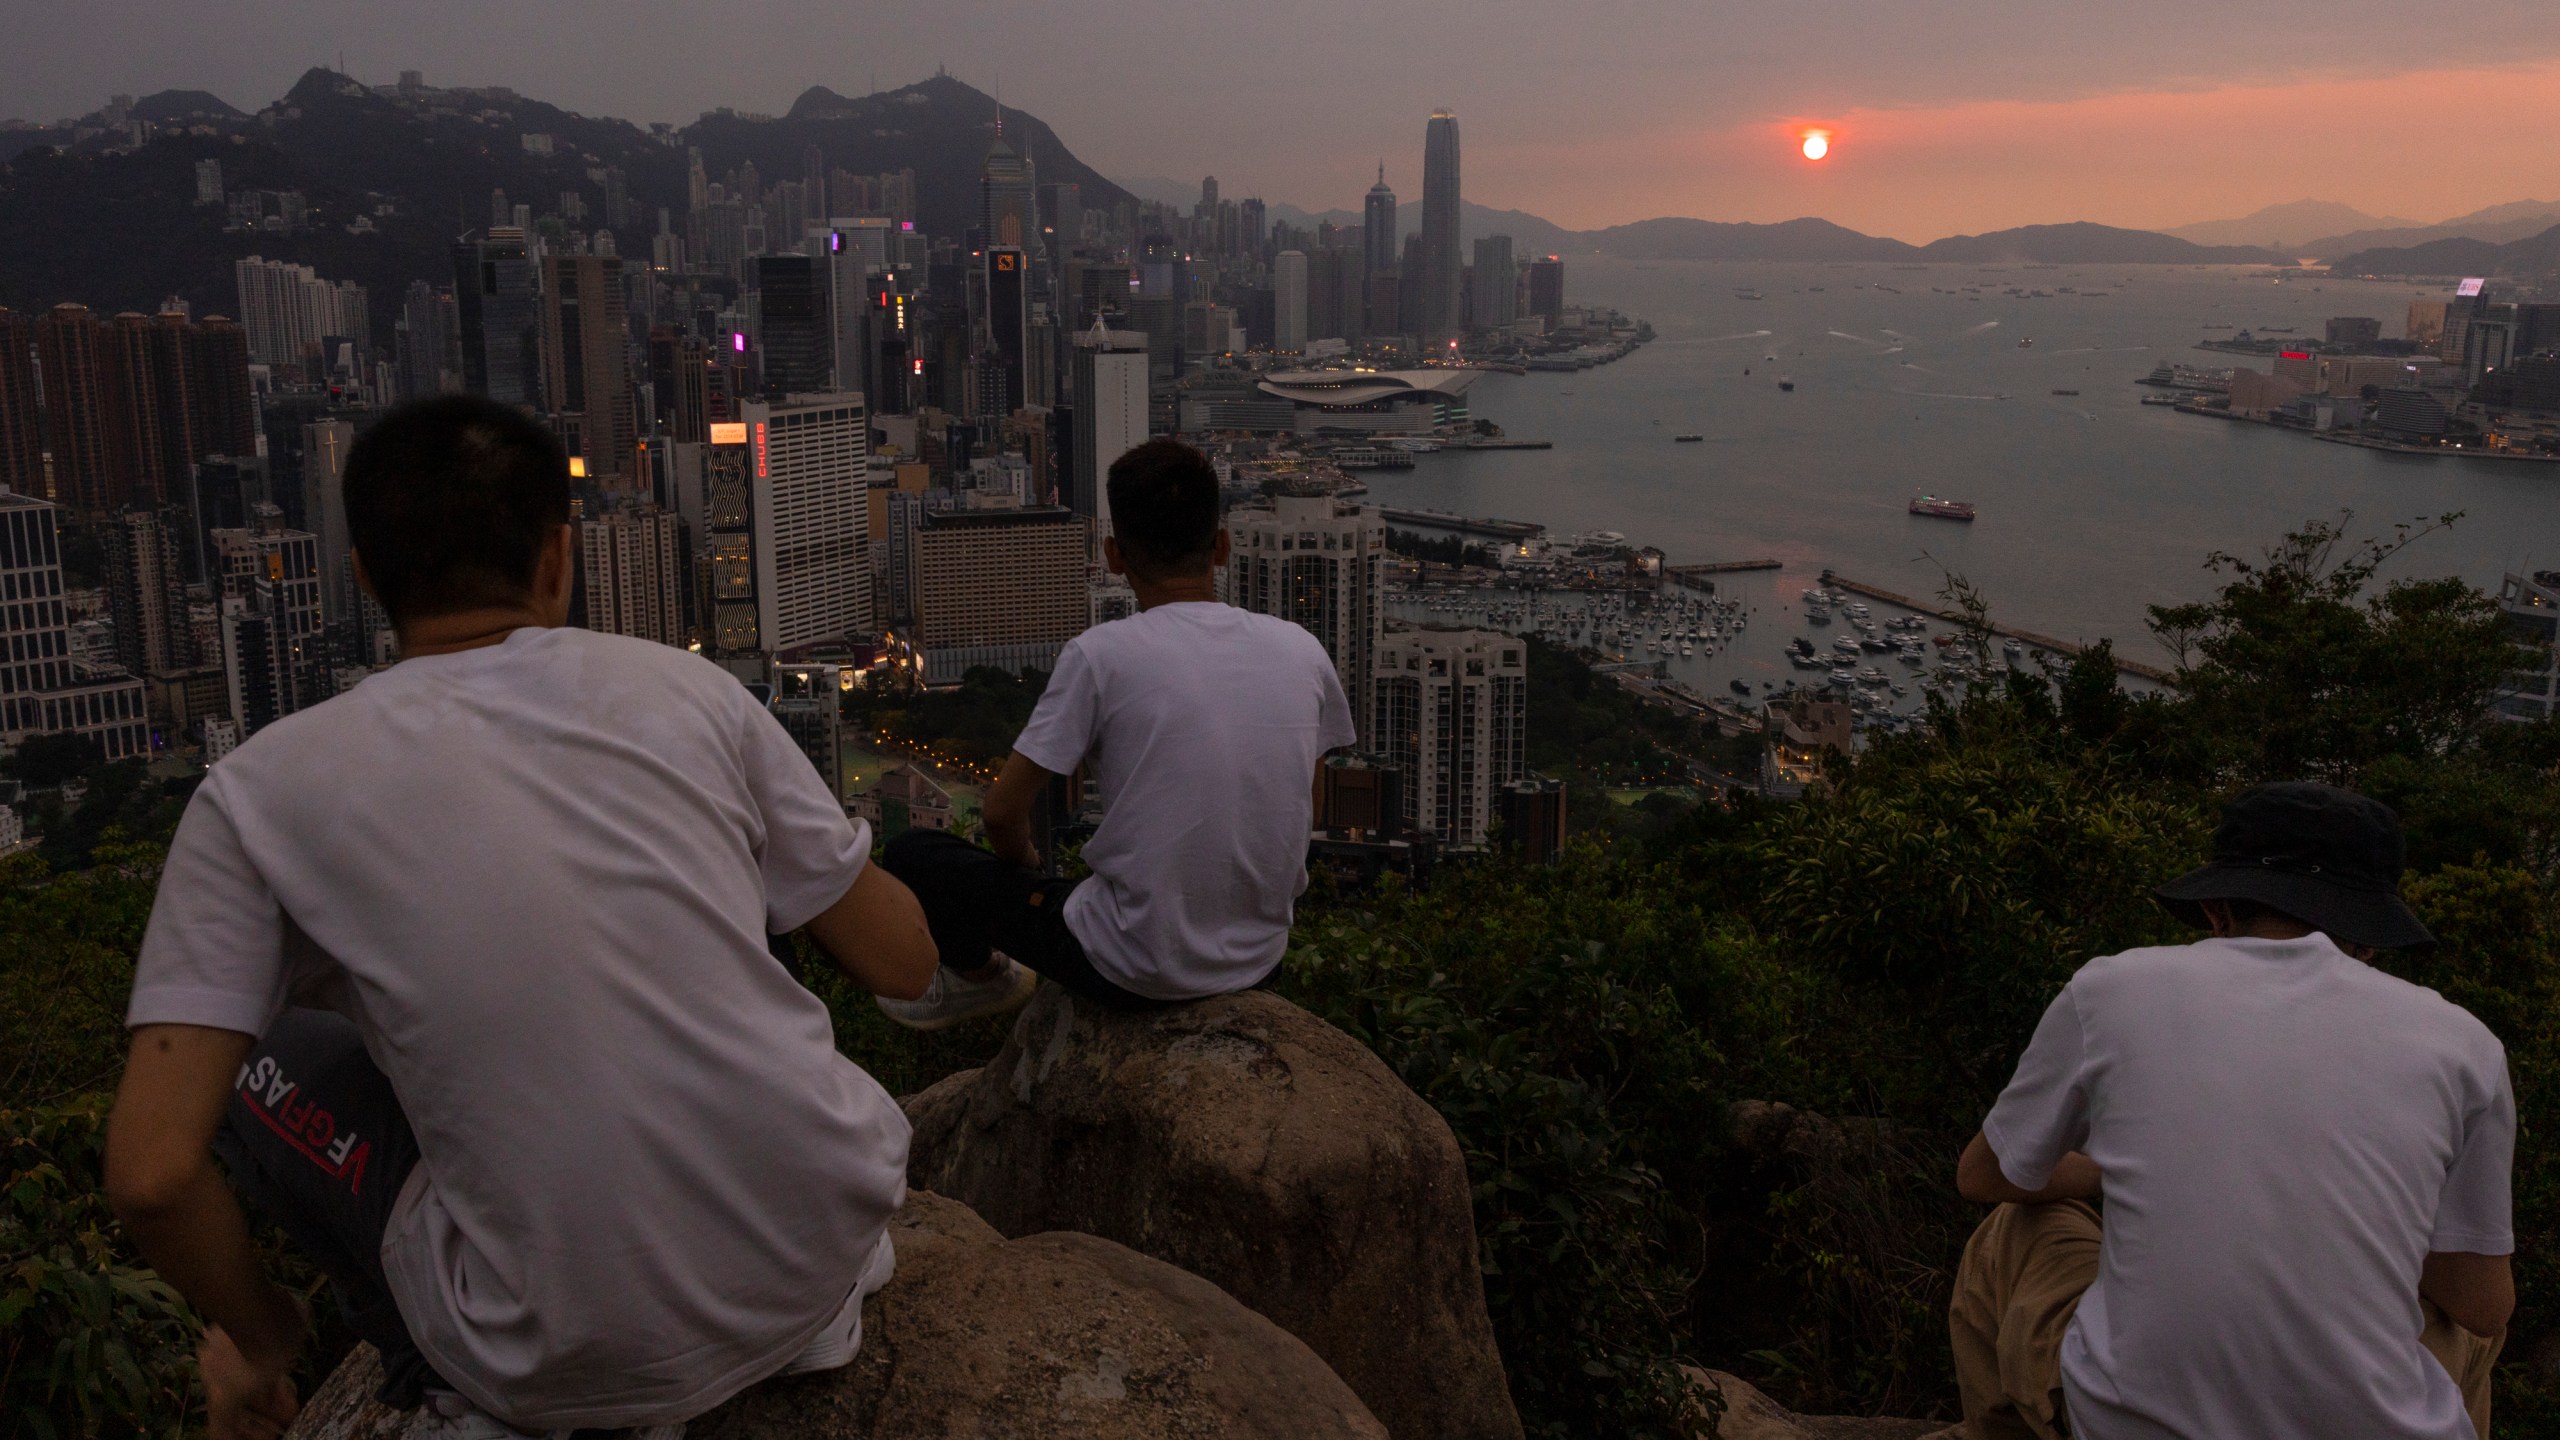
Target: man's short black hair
[(449, 502), (1164, 510)]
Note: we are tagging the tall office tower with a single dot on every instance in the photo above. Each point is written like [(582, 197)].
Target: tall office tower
[(21, 421), (1378, 227), (1111, 415), (1497, 295), (269, 553), (147, 592), (1062, 219), (630, 560), (1546, 288), (586, 376), (892, 356), (500, 212), (424, 343), (1319, 564), (501, 320), (1000, 587), (44, 691), (811, 457), (1289, 302), (1439, 309), (809, 701), (799, 351), (1450, 710), (1253, 228), (70, 344), (170, 354), (226, 421), (1008, 317), (786, 215), (726, 568), (1008, 195), (1333, 294), (324, 472)]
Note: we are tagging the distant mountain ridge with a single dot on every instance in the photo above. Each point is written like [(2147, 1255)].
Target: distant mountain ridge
[(2535, 255), (2284, 226)]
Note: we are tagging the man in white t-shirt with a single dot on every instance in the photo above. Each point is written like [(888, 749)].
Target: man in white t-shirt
[(2303, 1162), (1203, 726), (464, 977)]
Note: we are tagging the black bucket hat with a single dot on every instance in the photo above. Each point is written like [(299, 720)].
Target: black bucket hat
[(2329, 858)]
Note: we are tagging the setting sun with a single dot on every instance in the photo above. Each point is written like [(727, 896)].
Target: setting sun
[(1817, 143)]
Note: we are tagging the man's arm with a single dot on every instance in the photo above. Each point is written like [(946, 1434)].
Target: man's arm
[(876, 934), (2478, 1292), (1007, 810), (162, 1184), (1978, 1178)]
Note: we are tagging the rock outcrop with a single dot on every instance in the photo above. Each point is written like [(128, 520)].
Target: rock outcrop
[(982, 1338), (1750, 1415), (1252, 1144)]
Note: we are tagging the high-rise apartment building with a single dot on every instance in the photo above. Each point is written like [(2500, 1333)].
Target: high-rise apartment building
[(72, 345), (809, 701), (43, 690), (269, 593), (21, 417), (586, 376), (424, 343), (1496, 301), (1450, 710), (147, 592), (1000, 587), (1289, 302), (810, 457), (1318, 563), (1110, 382), (500, 317), (631, 562), (1439, 309), (287, 310)]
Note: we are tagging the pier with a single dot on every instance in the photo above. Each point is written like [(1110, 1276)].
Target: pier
[(2152, 673), (1696, 576)]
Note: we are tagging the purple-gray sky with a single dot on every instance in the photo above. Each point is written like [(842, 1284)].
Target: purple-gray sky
[(1948, 115)]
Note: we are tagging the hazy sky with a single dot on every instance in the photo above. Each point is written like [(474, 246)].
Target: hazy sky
[(1949, 115)]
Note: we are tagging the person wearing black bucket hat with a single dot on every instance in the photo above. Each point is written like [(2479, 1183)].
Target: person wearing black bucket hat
[(2303, 1162)]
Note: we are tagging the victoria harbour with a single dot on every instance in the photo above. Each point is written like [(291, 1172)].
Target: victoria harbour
[(2091, 506)]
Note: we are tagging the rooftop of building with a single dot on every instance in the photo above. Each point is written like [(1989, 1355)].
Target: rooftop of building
[(1365, 387)]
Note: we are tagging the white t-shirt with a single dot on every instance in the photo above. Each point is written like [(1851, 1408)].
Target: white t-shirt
[(541, 874), (1203, 724), (2284, 1132)]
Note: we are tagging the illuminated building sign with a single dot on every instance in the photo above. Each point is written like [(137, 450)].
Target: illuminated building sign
[(729, 432), (760, 470), (738, 341), (1006, 261), (2469, 287), (2294, 355)]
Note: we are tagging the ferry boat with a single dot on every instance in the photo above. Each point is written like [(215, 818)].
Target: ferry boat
[(1687, 439), (2066, 392), (1786, 384), (1387, 458), (1942, 509)]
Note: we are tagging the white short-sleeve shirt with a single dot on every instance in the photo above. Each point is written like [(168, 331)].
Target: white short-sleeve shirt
[(1203, 724), (2284, 1133), (538, 876)]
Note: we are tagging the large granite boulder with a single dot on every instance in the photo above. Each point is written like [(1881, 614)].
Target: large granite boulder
[(1251, 1144), (1750, 1415), (1053, 1337)]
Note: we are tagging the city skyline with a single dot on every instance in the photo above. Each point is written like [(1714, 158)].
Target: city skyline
[(1953, 122)]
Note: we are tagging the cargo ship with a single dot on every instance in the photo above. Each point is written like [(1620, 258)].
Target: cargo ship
[(1942, 509)]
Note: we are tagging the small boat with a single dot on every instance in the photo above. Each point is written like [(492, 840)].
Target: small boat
[(2028, 343), (1740, 687), (1687, 439), (1800, 645), (2066, 392), (1786, 384), (1942, 509)]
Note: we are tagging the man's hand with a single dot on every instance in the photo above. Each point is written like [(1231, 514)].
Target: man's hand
[(162, 1184), (876, 934), (1980, 1180), (244, 1398), (1006, 812)]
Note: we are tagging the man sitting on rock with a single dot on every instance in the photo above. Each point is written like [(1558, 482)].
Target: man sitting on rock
[(574, 1148), (1203, 725), (2304, 1164)]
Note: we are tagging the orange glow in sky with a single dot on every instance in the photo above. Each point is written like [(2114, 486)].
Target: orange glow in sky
[(1817, 143)]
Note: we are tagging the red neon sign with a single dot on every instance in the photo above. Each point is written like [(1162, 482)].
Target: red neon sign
[(2293, 355), (760, 470)]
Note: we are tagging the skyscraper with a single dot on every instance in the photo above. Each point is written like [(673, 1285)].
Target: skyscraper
[(1000, 587), (1319, 564), (493, 292), (1378, 227), (41, 691), (1450, 709), (424, 343), (1110, 414), (1008, 318), (146, 592), (1289, 302), (808, 513), (1008, 195), (799, 351), (1439, 309), (586, 379), (1497, 288), (634, 583), (1546, 289), (71, 341), (324, 469)]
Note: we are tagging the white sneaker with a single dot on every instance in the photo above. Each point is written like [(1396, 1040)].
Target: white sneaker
[(952, 998), (449, 1416)]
